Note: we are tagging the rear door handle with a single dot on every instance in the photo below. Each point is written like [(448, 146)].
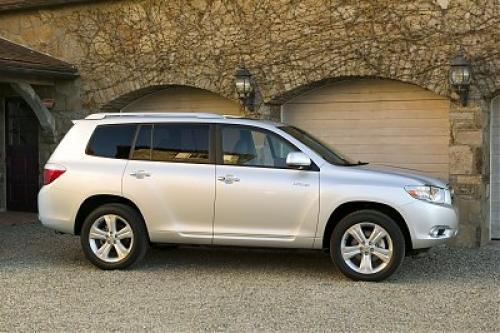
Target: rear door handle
[(140, 174), (228, 179)]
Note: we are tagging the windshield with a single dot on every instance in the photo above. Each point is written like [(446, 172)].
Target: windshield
[(322, 149)]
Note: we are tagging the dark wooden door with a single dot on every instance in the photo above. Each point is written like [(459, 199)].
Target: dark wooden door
[(21, 156)]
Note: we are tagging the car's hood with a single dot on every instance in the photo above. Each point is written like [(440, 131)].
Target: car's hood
[(408, 173)]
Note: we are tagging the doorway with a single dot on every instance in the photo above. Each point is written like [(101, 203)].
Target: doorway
[(21, 145)]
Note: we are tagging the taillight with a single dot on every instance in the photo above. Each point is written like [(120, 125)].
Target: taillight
[(51, 173)]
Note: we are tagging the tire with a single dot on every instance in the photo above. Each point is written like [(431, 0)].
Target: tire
[(367, 261), (125, 247)]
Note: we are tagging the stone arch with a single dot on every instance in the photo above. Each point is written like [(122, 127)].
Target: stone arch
[(119, 98), (299, 89), (44, 117), (180, 98)]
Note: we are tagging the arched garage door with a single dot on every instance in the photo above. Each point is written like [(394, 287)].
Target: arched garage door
[(379, 121), (183, 99)]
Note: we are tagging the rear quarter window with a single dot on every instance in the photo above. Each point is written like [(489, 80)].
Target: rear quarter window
[(112, 141)]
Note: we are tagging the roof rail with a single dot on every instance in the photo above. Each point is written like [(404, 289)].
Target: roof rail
[(199, 115)]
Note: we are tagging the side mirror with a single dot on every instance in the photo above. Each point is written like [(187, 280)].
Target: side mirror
[(298, 160)]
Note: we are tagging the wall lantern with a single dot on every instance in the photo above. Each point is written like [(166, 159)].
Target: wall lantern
[(460, 76), (244, 87)]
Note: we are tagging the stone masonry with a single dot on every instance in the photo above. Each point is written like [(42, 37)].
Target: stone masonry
[(125, 49)]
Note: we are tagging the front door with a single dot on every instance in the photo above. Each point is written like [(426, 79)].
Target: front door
[(21, 156), (170, 176), (259, 200)]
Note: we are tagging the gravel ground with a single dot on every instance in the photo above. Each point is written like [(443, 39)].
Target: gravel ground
[(47, 285)]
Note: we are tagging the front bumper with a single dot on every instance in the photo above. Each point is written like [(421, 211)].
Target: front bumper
[(430, 224)]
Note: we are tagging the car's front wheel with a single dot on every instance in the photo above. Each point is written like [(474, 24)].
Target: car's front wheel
[(367, 245), (114, 237)]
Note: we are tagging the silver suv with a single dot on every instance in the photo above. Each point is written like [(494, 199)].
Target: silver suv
[(124, 181)]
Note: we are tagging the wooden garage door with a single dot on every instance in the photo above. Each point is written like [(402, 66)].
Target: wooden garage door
[(379, 121), (184, 99)]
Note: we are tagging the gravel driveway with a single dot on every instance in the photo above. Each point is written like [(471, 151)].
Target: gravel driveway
[(47, 285)]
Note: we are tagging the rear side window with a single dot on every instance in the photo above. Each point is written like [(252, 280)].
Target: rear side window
[(188, 143), (113, 141)]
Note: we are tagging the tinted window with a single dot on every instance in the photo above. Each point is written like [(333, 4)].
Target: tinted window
[(253, 147), (111, 141), (181, 143), (142, 149)]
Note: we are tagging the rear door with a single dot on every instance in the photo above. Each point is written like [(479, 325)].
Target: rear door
[(170, 176)]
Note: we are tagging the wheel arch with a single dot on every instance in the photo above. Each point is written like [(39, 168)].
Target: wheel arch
[(98, 200), (349, 207)]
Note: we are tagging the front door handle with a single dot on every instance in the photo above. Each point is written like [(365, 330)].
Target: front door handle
[(228, 179), (140, 174)]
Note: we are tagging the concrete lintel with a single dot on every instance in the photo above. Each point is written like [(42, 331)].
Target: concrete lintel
[(26, 91)]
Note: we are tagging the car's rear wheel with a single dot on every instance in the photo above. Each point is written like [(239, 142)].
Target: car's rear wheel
[(367, 245), (114, 237)]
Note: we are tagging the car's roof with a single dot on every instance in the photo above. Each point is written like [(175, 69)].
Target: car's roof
[(148, 117)]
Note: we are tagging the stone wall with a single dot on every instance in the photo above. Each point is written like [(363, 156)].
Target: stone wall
[(126, 48), (469, 169), (121, 46), (3, 169)]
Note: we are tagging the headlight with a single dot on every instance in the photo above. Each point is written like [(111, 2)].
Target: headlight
[(428, 193)]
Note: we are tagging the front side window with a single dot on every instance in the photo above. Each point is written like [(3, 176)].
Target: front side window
[(331, 155), (249, 146), (187, 143), (113, 141)]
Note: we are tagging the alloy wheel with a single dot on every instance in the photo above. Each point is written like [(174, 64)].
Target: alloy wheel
[(366, 247), (111, 238)]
